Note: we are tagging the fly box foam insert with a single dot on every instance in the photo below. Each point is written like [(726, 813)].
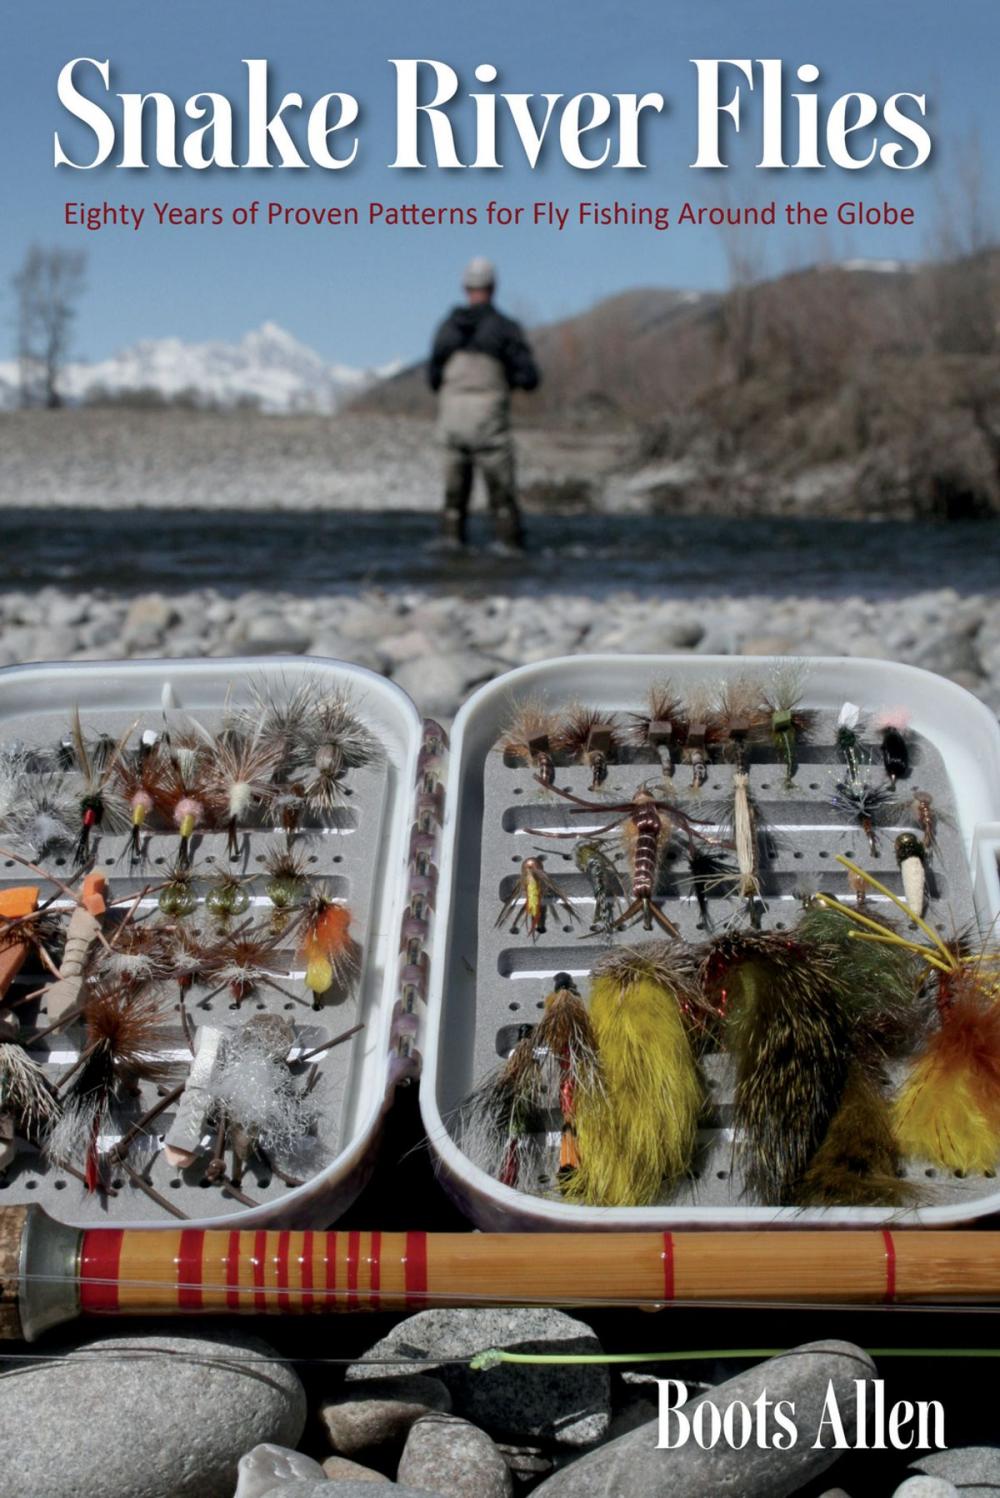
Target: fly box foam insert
[(356, 853), (494, 983)]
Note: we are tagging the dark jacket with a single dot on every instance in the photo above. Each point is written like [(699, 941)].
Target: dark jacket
[(483, 330)]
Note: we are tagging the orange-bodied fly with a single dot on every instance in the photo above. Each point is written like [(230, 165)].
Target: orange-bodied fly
[(326, 947)]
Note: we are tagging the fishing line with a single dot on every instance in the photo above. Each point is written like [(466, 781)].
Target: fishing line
[(492, 1357), (480, 1362)]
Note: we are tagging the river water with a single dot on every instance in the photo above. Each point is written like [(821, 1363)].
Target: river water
[(314, 553)]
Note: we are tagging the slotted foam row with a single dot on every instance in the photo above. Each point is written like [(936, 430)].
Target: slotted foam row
[(492, 981), (357, 855)]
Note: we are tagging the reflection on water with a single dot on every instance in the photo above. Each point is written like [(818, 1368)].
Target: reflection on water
[(328, 552)]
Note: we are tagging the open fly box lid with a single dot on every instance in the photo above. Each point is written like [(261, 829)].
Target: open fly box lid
[(360, 854), (487, 983)]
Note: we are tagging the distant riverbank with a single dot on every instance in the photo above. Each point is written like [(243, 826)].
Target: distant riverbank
[(126, 456)]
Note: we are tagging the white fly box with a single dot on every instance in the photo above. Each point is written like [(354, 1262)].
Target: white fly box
[(488, 982), (360, 854)]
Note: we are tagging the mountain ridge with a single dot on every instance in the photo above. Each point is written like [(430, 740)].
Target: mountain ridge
[(268, 369)]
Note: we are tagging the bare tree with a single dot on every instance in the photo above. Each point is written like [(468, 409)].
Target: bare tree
[(962, 280), (47, 288), (745, 256)]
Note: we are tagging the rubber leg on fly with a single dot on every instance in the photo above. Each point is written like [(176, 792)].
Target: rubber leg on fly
[(649, 913)]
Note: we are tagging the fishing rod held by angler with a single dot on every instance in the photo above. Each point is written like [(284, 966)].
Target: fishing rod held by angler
[(51, 1273)]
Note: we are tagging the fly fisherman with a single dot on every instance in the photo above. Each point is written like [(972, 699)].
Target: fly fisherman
[(479, 357)]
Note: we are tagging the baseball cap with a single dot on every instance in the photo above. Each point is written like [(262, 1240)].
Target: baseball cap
[(479, 274)]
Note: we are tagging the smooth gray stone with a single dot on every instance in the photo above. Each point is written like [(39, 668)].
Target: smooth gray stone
[(147, 621), (974, 1470), (54, 644), (266, 1468), (337, 647), (173, 1425), (440, 682), (270, 634), (342, 1469), (660, 636), (634, 1466), (377, 1413), (326, 1489), (448, 1455), (567, 1404), (930, 1487)]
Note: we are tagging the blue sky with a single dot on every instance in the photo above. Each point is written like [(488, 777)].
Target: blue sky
[(363, 296)]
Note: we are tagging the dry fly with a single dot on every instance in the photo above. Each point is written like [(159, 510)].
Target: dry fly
[(533, 891), (227, 896), (593, 738), (331, 956), (127, 1030), (28, 1105), (662, 724), (530, 735), (238, 782), (180, 792), (700, 731), (138, 781), (256, 1104), (892, 724), (335, 741), (864, 804), (790, 724), (242, 961), (740, 712), (38, 811), (287, 882), (283, 716), (97, 802), (178, 897), (138, 952), (848, 741), (188, 958)]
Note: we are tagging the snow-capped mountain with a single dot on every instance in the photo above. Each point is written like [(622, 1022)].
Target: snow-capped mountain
[(267, 368)]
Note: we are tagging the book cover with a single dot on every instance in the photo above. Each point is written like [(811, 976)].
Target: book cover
[(450, 341)]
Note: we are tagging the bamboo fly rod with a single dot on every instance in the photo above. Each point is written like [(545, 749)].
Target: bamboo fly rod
[(51, 1273)]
